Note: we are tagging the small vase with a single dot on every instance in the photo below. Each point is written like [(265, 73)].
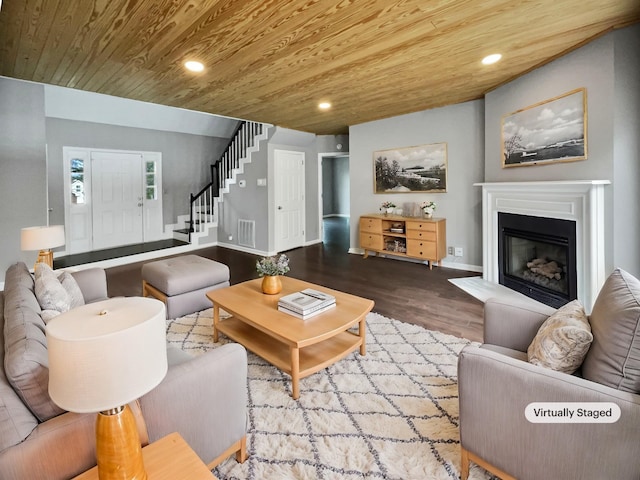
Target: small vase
[(427, 214), (271, 284)]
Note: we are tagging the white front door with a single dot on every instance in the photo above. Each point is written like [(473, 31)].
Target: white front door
[(289, 199), (122, 180), (117, 199)]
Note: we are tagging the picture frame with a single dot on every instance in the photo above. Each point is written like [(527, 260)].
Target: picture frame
[(551, 131), (421, 168)]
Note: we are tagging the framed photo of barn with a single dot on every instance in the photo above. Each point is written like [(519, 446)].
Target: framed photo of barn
[(548, 132), (411, 169)]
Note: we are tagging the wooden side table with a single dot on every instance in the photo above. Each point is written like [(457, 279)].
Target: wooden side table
[(169, 458)]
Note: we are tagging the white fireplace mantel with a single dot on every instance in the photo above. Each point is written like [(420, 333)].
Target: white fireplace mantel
[(581, 201)]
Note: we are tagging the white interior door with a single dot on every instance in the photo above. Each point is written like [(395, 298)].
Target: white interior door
[(117, 199), (289, 199)]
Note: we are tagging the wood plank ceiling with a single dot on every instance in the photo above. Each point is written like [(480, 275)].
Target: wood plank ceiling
[(274, 60)]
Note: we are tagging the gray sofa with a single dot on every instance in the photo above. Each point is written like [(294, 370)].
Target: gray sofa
[(202, 398), (496, 383)]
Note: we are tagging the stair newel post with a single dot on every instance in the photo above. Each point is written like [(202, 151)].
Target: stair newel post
[(191, 201)]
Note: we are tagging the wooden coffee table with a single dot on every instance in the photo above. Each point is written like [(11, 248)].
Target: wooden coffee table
[(297, 347)]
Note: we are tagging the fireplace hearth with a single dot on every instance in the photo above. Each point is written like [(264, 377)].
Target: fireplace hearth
[(537, 257)]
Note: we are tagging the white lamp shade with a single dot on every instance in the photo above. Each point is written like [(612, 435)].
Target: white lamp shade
[(41, 238), (106, 354)]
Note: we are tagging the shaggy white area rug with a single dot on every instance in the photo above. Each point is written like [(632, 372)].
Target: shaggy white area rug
[(391, 414)]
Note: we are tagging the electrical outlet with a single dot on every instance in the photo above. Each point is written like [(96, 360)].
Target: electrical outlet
[(450, 251), (230, 237), (458, 252)]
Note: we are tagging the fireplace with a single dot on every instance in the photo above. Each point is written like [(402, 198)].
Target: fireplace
[(580, 201), (537, 257)]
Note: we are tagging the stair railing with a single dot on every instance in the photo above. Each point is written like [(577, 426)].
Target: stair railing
[(202, 204)]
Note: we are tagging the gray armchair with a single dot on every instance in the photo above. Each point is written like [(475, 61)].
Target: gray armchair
[(496, 383)]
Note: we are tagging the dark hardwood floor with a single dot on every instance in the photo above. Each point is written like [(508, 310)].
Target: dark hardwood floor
[(402, 290)]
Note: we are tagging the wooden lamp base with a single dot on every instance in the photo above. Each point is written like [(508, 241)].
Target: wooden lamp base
[(118, 449), (44, 256)]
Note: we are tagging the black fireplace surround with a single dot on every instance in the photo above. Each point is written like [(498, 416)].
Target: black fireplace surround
[(537, 257)]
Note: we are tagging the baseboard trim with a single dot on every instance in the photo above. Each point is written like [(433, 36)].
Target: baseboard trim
[(462, 266), (445, 263), (240, 248)]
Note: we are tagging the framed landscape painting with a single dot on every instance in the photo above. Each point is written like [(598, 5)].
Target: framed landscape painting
[(551, 131), (411, 169)]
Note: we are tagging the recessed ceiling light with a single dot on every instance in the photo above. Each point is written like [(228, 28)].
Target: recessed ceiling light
[(194, 66), (491, 59), (324, 105)]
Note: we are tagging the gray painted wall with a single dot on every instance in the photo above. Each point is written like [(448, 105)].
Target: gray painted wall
[(27, 134), (248, 203), (330, 143), (608, 69), (626, 151), (23, 201), (335, 185), (590, 67), (185, 159), (462, 128), (254, 203)]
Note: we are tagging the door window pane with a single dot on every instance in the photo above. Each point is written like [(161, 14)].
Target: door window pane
[(150, 181), (77, 181)]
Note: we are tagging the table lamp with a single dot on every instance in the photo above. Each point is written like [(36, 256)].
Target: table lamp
[(101, 357), (42, 239)]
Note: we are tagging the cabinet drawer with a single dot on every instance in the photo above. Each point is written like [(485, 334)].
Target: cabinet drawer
[(370, 225), (421, 249), (422, 226), (370, 240), (420, 235)]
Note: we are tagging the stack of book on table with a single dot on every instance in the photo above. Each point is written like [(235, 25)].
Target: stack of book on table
[(306, 303)]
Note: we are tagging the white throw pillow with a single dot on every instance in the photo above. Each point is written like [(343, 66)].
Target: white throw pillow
[(563, 340), (73, 289), (49, 291)]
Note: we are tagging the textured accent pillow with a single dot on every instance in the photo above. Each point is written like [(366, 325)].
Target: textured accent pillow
[(562, 340), (614, 357), (49, 291), (73, 289)]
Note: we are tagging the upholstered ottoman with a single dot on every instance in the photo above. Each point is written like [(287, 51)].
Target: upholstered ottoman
[(182, 282)]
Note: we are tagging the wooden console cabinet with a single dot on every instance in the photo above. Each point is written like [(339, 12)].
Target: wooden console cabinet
[(420, 238)]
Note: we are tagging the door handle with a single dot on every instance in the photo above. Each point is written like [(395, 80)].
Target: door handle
[(279, 207)]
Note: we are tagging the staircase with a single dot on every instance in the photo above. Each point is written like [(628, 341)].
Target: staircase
[(203, 210)]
